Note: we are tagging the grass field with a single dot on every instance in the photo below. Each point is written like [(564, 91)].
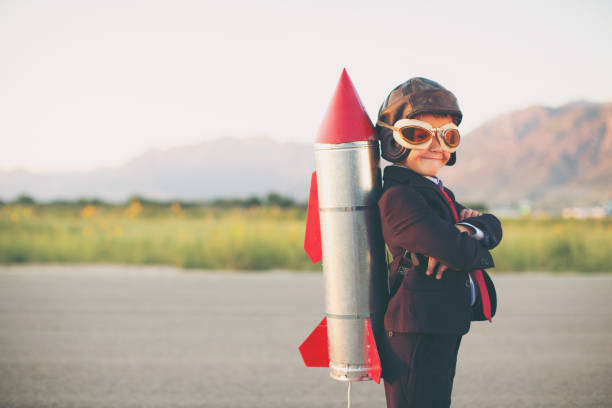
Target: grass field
[(256, 238)]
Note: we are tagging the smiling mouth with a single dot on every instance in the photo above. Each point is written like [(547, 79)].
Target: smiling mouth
[(432, 158)]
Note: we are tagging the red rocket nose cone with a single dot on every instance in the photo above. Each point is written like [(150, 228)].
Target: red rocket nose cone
[(345, 120)]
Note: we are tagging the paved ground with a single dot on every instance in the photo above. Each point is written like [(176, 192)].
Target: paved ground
[(107, 336)]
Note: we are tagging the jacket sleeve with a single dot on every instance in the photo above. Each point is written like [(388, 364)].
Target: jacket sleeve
[(488, 223), (409, 223)]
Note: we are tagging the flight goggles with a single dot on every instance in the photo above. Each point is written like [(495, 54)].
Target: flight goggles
[(416, 134)]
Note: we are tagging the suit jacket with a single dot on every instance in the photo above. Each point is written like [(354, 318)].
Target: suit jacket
[(415, 216)]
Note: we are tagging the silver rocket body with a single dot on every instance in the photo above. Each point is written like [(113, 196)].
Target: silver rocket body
[(354, 263)]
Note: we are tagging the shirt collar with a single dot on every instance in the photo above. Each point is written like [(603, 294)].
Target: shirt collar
[(434, 179)]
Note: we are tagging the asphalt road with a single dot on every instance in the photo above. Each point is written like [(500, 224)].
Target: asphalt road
[(108, 336)]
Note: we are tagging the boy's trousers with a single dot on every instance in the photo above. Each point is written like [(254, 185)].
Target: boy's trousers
[(419, 369)]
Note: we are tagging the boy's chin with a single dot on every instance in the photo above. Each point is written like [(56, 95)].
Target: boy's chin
[(425, 167), (429, 170)]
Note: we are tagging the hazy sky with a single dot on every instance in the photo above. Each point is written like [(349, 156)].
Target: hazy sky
[(85, 84)]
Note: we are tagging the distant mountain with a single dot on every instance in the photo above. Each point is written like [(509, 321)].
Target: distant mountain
[(551, 157), (226, 167)]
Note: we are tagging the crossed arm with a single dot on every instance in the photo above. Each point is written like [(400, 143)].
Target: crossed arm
[(409, 223), (442, 267)]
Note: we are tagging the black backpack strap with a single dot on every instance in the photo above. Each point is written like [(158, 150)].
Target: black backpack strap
[(396, 277)]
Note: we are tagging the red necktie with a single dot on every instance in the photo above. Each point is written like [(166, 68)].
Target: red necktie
[(477, 274)]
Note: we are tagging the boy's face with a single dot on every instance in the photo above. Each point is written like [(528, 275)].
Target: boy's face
[(428, 162)]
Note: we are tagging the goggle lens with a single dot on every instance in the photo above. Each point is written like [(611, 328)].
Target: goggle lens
[(452, 138), (415, 135)]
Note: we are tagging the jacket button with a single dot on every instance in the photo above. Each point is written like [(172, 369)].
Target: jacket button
[(390, 334)]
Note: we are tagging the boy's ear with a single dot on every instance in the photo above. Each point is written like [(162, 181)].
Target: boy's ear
[(390, 149)]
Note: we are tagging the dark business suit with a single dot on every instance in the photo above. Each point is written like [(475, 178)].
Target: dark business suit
[(426, 317)]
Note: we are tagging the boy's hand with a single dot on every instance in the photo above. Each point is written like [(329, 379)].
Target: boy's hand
[(467, 213), (431, 266)]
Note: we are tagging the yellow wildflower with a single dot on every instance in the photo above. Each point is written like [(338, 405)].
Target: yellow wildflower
[(177, 209), (133, 209), (88, 211)]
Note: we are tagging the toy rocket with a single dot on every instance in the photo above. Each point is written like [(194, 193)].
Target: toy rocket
[(343, 230)]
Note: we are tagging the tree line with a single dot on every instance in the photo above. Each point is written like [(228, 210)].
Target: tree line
[(269, 200)]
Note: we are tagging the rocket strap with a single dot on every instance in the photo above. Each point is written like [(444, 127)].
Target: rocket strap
[(397, 276)]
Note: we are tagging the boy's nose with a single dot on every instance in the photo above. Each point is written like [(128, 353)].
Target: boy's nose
[(435, 144)]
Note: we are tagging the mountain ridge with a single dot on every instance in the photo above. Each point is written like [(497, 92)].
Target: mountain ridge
[(550, 157)]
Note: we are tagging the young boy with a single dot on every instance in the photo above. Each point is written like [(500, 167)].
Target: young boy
[(440, 248)]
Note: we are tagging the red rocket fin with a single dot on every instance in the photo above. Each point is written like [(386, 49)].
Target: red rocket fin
[(372, 354), (312, 239), (345, 120), (314, 349)]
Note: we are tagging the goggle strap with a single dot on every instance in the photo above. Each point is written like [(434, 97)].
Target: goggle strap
[(385, 125)]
